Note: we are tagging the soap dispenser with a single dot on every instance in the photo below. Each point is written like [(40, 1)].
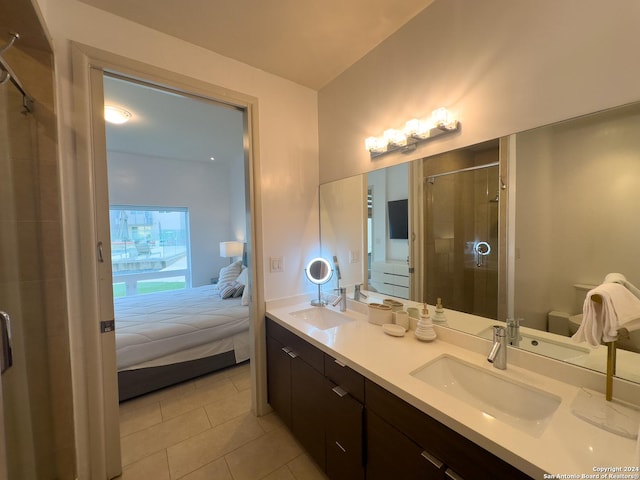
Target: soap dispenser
[(424, 329), (439, 316)]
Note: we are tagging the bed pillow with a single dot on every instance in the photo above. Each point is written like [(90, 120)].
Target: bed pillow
[(229, 273), (233, 289), (243, 278), (239, 290), (245, 296)]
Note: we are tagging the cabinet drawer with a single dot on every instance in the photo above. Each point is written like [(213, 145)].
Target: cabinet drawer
[(462, 455), (345, 377), (344, 436), (390, 454), (299, 347), (398, 280)]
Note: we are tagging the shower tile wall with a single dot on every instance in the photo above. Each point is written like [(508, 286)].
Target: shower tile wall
[(37, 390)]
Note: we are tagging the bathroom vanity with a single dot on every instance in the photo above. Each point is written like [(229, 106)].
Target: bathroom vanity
[(357, 401), (323, 402)]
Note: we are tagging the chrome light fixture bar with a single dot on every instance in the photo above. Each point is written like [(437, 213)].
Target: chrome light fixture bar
[(415, 132)]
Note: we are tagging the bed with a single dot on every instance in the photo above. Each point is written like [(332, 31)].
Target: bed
[(167, 337)]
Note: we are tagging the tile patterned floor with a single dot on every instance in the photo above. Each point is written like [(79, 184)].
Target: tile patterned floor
[(204, 430)]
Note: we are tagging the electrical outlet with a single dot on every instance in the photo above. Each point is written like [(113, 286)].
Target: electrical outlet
[(276, 264), (354, 256)]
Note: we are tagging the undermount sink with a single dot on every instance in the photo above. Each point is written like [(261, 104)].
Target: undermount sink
[(543, 346), (321, 317), (517, 404)]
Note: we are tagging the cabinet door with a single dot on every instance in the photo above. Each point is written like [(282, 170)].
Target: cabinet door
[(279, 379), (307, 409), (390, 454), (344, 434)]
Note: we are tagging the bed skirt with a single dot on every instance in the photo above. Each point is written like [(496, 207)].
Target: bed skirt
[(136, 382)]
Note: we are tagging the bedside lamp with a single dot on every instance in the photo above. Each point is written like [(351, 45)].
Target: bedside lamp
[(230, 250)]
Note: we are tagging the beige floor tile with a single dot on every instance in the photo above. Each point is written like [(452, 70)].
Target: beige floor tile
[(197, 398), (213, 377), (229, 407), (270, 421), (143, 417), (241, 379), (212, 444), (283, 473), (143, 443), (216, 470), (303, 468), (153, 467), (264, 455)]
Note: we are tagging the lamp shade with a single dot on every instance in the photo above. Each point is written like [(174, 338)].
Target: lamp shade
[(231, 249)]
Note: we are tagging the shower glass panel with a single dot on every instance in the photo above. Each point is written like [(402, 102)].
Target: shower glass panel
[(28, 423), (462, 240)]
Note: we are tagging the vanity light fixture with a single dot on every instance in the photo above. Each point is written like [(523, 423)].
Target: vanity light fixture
[(116, 115), (415, 131)]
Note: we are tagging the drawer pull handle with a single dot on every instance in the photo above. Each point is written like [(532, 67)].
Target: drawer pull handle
[(292, 354), (286, 350), (338, 362), (341, 447), (433, 460), (341, 392), (452, 475)]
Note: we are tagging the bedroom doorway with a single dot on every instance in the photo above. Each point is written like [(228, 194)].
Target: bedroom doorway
[(177, 206), (88, 199)]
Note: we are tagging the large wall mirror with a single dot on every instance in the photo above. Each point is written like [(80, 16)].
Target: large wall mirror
[(520, 227)]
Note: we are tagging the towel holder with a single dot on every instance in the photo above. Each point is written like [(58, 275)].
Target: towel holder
[(611, 358)]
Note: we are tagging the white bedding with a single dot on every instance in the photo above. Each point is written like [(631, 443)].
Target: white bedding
[(161, 324)]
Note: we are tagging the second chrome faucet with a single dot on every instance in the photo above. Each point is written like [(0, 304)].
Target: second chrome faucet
[(498, 353)]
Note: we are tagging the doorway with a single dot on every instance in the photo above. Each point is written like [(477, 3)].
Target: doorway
[(92, 274)]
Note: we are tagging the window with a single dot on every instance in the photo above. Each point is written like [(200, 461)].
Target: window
[(149, 249)]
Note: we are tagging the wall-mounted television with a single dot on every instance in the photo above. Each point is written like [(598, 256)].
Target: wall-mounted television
[(398, 213)]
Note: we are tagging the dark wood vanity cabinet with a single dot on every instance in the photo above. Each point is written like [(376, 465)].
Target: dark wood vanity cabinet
[(325, 413), (296, 387), (391, 454), (428, 448), (355, 429), (344, 432)]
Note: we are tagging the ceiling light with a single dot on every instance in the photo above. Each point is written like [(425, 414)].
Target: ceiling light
[(116, 115), (415, 131), (212, 158)]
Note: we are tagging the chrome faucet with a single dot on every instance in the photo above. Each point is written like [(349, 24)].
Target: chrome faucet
[(342, 299), (357, 293), (498, 353), (513, 331)]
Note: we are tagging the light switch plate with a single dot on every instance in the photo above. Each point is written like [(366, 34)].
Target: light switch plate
[(276, 264)]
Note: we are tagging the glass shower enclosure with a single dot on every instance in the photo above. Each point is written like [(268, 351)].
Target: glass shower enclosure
[(461, 239)]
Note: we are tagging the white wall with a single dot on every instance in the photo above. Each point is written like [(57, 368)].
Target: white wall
[(503, 66), (342, 216), (203, 187), (287, 124), (577, 199)]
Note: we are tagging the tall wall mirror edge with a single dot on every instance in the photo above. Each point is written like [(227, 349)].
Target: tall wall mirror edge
[(520, 227)]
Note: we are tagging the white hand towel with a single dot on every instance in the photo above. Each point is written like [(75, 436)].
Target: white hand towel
[(601, 321)]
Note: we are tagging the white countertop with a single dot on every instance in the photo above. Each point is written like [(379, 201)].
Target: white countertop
[(568, 445)]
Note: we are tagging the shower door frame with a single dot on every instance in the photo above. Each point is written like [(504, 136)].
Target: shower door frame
[(506, 209)]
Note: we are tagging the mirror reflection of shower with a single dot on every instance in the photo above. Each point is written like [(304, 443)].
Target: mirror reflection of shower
[(461, 237)]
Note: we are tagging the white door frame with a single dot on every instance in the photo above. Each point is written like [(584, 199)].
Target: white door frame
[(83, 182)]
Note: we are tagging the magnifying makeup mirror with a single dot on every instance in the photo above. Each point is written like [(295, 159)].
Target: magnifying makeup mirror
[(319, 271)]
